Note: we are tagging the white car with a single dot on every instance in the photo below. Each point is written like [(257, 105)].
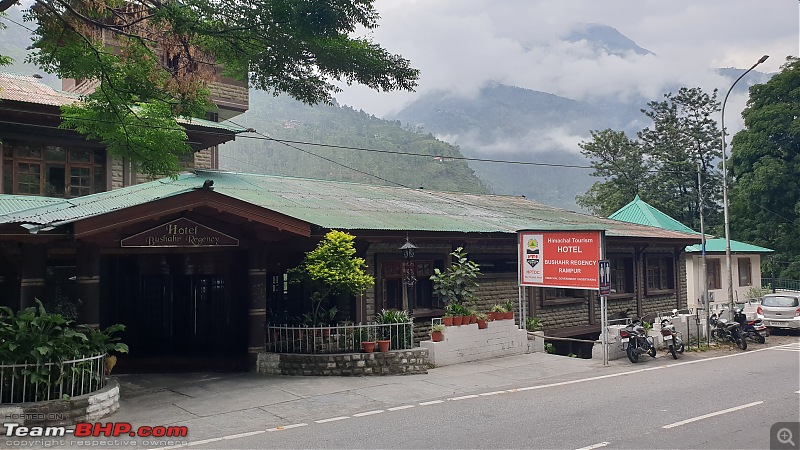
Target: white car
[(781, 310)]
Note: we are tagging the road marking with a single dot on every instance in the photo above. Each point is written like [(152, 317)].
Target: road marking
[(598, 445), (332, 419), (706, 416), (241, 435), (286, 427), (398, 408), (368, 413), (433, 402), (493, 393), (464, 397)]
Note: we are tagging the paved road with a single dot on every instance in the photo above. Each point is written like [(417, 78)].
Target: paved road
[(727, 401)]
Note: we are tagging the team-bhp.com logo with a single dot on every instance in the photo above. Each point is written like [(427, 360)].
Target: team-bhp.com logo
[(85, 429)]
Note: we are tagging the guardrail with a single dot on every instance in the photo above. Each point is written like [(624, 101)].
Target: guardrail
[(779, 283), (21, 383), (338, 338)]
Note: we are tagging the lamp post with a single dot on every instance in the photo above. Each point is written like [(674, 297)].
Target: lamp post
[(725, 190), (408, 250)]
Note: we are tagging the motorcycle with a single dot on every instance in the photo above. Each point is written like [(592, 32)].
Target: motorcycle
[(638, 343), (727, 331), (751, 329), (672, 338)]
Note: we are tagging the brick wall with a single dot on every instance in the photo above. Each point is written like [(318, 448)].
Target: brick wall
[(395, 362)]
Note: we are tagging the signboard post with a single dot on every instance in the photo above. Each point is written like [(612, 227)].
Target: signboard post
[(604, 275), (567, 259)]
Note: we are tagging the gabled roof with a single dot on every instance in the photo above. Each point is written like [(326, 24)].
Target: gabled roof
[(639, 211), (346, 206), (718, 245), (28, 89)]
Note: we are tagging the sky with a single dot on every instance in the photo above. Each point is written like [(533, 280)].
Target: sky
[(459, 45)]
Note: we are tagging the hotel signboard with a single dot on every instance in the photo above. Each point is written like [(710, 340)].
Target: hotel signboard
[(180, 232), (563, 259)]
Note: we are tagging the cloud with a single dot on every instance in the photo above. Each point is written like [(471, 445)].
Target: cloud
[(459, 45)]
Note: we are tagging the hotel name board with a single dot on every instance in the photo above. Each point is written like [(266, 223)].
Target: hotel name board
[(180, 233)]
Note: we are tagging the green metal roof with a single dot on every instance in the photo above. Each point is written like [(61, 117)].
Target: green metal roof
[(11, 203), (347, 206), (639, 211), (718, 245)]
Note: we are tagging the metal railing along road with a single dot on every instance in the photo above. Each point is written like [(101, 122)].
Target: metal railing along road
[(343, 338), (780, 284), (21, 383)]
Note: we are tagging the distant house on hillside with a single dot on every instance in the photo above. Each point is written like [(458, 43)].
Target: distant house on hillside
[(745, 258)]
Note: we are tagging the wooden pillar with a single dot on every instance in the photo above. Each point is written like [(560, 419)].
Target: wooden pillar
[(87, 284), (34, 268), (257, 304)]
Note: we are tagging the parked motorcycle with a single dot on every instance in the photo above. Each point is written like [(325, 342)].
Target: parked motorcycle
[(638, 343), (724, 330), (751, 329), (672, 338)]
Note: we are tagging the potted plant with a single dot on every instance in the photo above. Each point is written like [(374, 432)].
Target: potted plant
[(394, 331), (456, 285), (367, 338), (473, 315), (533, 324), (497, 312), (437, 332), (480, 319), (449, 315), (509, 307)]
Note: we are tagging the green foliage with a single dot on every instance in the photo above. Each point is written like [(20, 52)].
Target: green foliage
[(661, 166), (166, 53), (387, 316), (437, 328), (533, 324), (765, 165), (286, 119), (756, 292), (400, 335), (4, 60), (498, 309), (332, 268), (549, 348), (457, 284)]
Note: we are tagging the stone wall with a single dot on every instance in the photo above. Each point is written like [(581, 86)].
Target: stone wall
[(85, 408), (496, 289), (468, 343), (395, 362)]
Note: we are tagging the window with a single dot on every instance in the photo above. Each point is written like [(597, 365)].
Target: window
[(393, 284), (745, 271), (713, 274), (557, 296), (660, 273), (621, 275), (53, 171)]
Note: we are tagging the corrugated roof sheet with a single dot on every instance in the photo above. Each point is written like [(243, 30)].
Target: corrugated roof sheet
[(348, 206), (718, 245), (639, 211), (11, 203), (28, 89)]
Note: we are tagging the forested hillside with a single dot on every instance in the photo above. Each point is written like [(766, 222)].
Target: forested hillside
[(345, 130)]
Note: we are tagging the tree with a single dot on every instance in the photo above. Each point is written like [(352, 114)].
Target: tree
[(765, 166), (661, 165), (457, 284), (153, 61), (332, 268), (621, 162)]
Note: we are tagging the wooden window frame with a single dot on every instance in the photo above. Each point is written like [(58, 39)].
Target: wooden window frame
[(570, 296), (96, 167), (626, 261), (749, 264), (714, 273), (666, 274)]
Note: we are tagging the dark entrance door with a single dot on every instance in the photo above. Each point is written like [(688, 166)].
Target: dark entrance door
[(177, 320)]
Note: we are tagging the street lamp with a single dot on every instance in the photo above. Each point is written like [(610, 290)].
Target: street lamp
[(408, 250), (725, 190)]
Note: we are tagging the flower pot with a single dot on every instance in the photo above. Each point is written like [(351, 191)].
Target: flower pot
[(437, 336), (481, 324), (383, 345), (457, 320), (368, 346), (473, 319), (447, 321), (495, 316), (508, 315)]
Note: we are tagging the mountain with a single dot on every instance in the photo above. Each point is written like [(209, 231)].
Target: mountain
[(606, 38), (355, 147)]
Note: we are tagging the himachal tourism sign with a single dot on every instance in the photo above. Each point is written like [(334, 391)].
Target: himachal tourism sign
[(564, 259)]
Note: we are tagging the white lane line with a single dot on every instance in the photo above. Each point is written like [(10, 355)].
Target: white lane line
[(493, 393), (706, 416), (598, 445), (286, 427), (332, 419), (398, 408), (433, 402), (368, 413), (241, 435), (463, 397), (795, 350)]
